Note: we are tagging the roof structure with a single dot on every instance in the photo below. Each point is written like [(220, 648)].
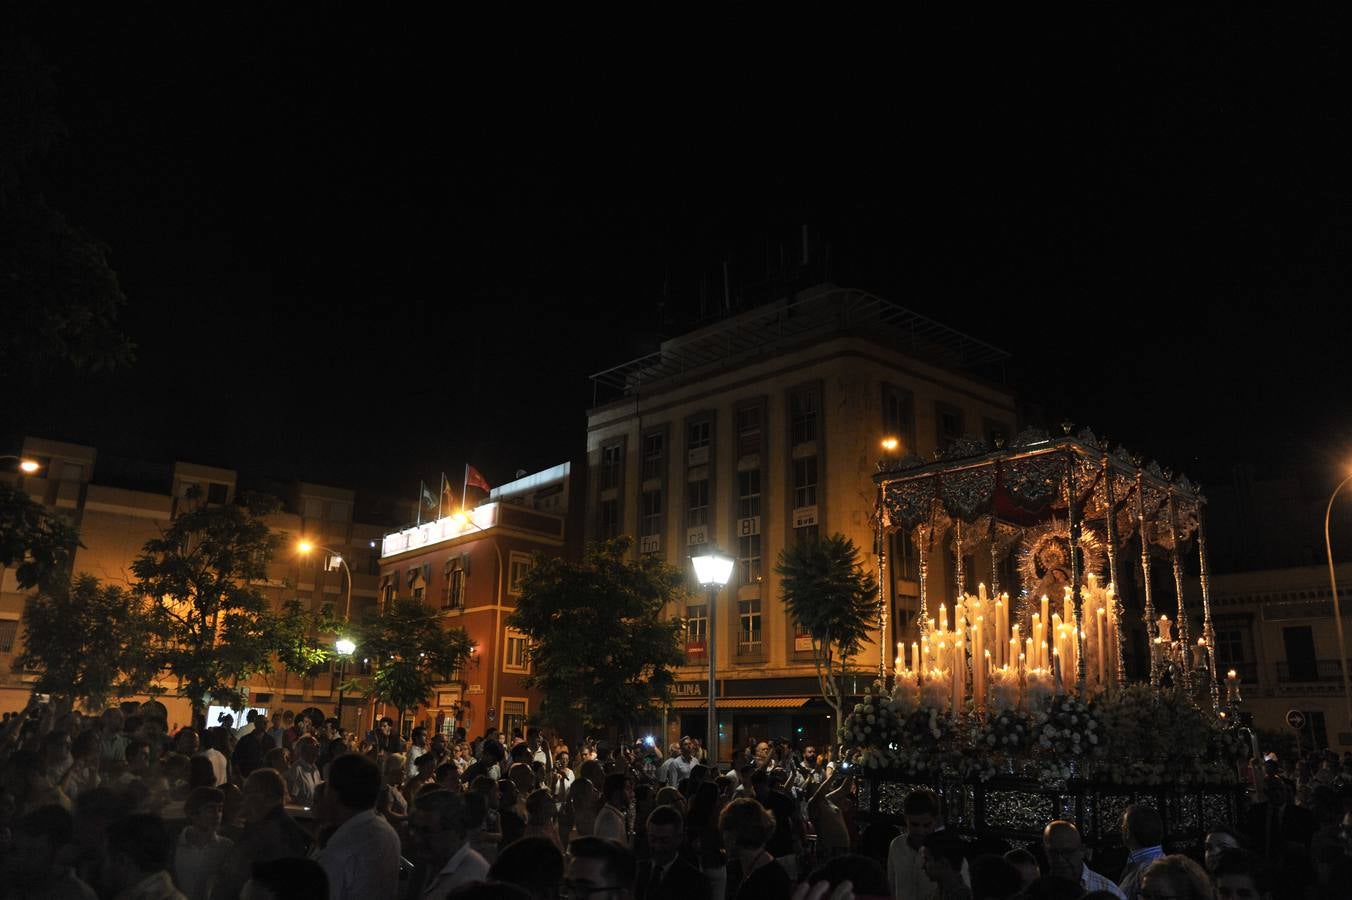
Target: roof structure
[(814, 314)]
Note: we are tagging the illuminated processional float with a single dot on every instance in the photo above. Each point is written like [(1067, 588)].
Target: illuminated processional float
[(1012, 701)]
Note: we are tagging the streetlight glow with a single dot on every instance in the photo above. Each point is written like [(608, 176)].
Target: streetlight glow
[(29, 466), (305, 546), (713, 569), (344, 646), (890, 443)]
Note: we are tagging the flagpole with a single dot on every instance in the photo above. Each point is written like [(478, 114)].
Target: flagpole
[(441, 495), (421, 487), (464, 486)]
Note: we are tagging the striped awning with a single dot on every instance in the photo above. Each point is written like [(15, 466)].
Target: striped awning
[(743, 703)]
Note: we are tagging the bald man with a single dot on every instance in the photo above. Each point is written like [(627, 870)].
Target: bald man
[(1065, 859)]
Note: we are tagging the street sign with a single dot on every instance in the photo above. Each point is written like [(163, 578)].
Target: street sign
[(1296, 719)]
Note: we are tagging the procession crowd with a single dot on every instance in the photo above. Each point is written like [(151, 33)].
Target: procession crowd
[(291, 806)]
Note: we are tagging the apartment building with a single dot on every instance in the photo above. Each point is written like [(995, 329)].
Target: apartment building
[(469, 566), (117, 505), (762, 429)]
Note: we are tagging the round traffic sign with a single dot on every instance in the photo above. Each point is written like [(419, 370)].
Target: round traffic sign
[(1295, 718)]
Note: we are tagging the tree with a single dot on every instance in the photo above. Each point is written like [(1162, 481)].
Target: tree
[(37, 544), (827, 591), (211, 625), (85, 640), (413, 653), (598, 646)]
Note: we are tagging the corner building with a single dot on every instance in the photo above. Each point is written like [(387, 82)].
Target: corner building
[(762, 429)]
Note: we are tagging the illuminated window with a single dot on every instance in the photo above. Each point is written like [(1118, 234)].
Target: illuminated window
[(9, 630), (697, 624), (516, 658), (513, 716), (455, 582), (749, 627)]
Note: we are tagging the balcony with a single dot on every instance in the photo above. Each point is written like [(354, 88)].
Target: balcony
[(1321, 672)]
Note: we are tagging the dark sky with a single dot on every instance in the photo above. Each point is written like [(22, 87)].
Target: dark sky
[(364, 252)]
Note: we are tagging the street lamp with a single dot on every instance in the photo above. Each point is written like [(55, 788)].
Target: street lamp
[(1337, 607), (345, 648), (26, 465), (712, 570)]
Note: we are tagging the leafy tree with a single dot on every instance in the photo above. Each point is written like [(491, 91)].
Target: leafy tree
[(412, 651), (36, 543), (211, 625), (84, 640), (598, 646), (297, 637), (826, 589)]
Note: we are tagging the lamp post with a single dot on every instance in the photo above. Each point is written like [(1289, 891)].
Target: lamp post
[(712, 570), (344, 646), (1337, 607)]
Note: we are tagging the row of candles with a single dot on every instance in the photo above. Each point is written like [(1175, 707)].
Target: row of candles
[(983, 641)]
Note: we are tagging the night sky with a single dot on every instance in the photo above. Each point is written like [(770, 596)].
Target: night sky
[(364, 254)]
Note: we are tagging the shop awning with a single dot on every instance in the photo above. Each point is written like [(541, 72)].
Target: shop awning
[(744, 703)]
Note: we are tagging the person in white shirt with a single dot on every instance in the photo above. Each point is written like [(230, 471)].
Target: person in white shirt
[(905, 864), (417, 746), (303, 775), (1065, 858), (611, 821), (676, 768), (200, 851), (438, 830), (361, 858)]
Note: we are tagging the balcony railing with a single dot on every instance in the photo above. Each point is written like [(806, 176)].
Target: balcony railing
[(1317, 671)]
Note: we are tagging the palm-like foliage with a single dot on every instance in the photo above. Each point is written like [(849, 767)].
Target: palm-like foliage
[(826, 589)]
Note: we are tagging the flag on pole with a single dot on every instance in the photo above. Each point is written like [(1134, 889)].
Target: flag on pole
[(428, 499), (447, 501), (474, 479)]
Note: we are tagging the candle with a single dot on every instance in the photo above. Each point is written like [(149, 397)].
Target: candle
[(1100, 632), (979, 659), (915, 656), (1045, 610), (943, 618)]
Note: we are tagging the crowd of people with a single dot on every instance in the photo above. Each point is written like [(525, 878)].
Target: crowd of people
[(292, 806)]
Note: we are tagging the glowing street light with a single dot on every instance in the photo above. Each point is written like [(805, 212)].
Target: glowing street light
[(26, 465), (345, 646), (890, 444), (712, 570)]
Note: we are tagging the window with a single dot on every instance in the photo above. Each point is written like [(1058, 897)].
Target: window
[(803, 417), (513, 716), (612, 460), (1300, 660), (899, 417), (749, 558), (650, 514), (748, 431), (610, 519), (516, 658), (696, 627), (1229, 646), (654, 446), (749, 626), (805, 482), (373, 563), (517, 569), (216, 493), (387, 594), (697, 503), (748, 493), (995, 432), (9, 630), (697, 435), (455, 583), (905, 561), (948, 420), (418, 593)]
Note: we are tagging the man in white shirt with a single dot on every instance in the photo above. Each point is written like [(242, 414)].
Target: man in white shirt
[(611, 821), (1065, 859), (438, 830), (678, 766), (303, 776), (905, 864), (362, 856), (417, 746)]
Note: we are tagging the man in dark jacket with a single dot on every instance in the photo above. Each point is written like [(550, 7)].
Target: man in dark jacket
[(665, 876), (269, 833)]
